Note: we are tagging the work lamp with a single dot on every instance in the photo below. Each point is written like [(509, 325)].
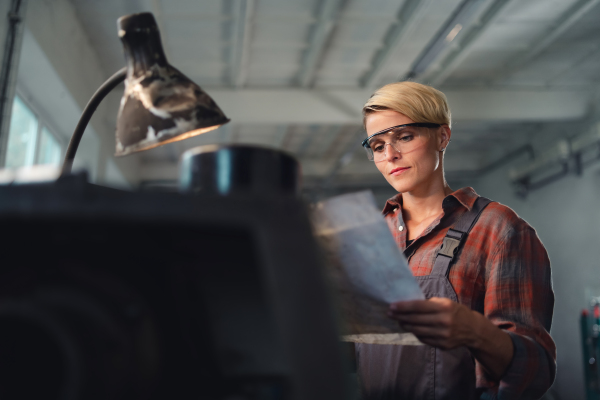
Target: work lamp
[(160, 105)]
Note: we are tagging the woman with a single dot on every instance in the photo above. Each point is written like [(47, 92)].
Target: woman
[(486, 321)]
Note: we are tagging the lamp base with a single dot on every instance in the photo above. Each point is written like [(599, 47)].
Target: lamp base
[(239, 169)]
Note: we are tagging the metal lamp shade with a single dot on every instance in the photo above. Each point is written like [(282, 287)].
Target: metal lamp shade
[(160, 104)]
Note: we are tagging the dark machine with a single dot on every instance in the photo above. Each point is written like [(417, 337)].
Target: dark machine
[(212, 293)]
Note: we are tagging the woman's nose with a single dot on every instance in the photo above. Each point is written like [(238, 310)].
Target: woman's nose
[(391, 153)]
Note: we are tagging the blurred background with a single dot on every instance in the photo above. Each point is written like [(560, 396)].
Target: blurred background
[(522, 78)]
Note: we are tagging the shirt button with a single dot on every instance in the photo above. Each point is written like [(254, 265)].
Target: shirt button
[(400, 228)]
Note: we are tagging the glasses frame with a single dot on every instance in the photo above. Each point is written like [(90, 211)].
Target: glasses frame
[(365, 143), (367, 147)]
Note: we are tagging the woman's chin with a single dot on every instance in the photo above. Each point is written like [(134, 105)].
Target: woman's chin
[(401, 185)]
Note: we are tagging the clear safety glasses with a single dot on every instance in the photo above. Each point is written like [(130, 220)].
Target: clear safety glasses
[(403, 138)]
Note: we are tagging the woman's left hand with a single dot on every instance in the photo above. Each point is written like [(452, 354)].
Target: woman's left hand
[(443, 323), (438, 322)]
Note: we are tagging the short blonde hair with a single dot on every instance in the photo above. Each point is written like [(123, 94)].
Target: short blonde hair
[(419, 102)]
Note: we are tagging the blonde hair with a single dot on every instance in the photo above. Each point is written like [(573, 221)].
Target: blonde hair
[(419, 102)]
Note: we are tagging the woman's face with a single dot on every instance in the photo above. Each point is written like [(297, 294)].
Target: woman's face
[(414, 170)]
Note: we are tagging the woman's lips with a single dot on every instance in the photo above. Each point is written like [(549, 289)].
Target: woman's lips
[(398, 171)]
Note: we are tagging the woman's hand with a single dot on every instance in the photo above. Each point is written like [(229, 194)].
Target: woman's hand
[(438, 322), (443, 323)]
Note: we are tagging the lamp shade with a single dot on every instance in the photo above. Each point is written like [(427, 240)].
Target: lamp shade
[(160, 104)]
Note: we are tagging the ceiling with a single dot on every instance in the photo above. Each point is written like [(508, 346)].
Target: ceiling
[(293, 74)]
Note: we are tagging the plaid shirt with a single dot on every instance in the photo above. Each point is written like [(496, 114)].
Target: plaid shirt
[(503, 272)]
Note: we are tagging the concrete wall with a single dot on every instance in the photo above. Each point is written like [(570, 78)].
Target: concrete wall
[(567, 219), (61, 70)]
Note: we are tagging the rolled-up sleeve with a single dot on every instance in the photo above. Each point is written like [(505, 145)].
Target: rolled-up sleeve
[(519, 299)]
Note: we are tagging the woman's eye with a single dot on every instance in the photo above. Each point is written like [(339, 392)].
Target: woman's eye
[(406, 138), (377, 147)]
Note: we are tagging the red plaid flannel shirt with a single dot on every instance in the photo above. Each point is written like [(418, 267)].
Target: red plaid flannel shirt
[(503, 272)]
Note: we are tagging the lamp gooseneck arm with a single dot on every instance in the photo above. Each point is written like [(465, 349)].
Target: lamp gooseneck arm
[(89, 110)]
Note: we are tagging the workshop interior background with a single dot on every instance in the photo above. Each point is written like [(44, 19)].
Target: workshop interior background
[(522, 78)]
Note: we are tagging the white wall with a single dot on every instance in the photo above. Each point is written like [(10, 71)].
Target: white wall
[(43, 90), (566, 215)]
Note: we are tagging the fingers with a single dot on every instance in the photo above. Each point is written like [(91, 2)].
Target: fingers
[(433, 305), (435, 342), (437, 337), (425, 332), (429, 319), (439, 322)]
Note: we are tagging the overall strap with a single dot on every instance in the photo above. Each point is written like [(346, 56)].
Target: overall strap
[(456, 237)]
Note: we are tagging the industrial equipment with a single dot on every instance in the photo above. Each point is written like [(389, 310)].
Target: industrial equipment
[(590, 334), (206, 294)]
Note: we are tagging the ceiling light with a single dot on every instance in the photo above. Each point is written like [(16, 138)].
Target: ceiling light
[(453, 33), (461, 18)]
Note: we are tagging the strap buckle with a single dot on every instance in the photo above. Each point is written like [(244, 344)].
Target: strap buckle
[(449, 246)]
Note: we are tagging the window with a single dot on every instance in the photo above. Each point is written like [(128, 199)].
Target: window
[(29, 141), (49, 152), (21, 137)]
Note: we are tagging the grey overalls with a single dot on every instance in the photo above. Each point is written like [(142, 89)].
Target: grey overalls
[(424, 372)]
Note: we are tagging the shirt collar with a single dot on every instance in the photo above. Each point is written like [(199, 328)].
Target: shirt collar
[(465, 196), (392, 203)]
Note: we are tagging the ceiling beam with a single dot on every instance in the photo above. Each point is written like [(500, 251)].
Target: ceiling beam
[(437, 47), (302, 106), (408, 18), (438, 73), (549, 36), (319, 39), (241, 37)]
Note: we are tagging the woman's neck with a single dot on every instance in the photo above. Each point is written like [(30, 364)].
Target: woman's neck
[(426, 202)]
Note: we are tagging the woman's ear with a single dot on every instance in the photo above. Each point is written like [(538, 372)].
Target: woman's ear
[(444, 137)]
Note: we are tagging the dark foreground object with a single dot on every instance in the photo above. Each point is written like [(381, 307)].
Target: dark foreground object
[(116, 295), (239, 170)]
